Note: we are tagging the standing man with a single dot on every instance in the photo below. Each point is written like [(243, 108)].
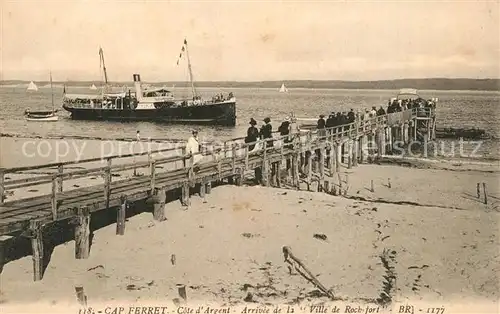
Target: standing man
[(193, 148)]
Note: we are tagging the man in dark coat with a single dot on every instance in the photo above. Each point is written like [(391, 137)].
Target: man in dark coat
[(266, 131), (252, 134), (381, 111)]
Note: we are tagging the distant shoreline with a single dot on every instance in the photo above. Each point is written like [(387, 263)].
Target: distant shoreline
[(460, 84)]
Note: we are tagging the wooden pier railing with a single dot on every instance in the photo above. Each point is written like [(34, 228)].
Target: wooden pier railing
[(229, 160)]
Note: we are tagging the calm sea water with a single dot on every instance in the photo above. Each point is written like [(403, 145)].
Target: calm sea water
[(455, 108)]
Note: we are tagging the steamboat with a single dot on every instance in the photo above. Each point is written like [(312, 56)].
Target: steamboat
[(151, 104)]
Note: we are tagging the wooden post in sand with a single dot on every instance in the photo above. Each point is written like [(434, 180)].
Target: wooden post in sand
[(82, 233), (485, 194), (181, 289), (121, 216), (60, 171), (478, 190), (185, 194), (378, 139), (80, 296), (415, 129), (355, 152), (295, 169), (331, 156), (37, 248), (239, 176), (363, 149), (159, 198), (3, 244), (273, 175), (321, 167), (278, 174), (309, 169), (406, 134), (349, 154), (230, 179), (338, 151), (265, 166), (389, 139), (372, 188), (382, 140)]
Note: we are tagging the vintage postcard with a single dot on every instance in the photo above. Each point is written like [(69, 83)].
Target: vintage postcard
[(249, 157)]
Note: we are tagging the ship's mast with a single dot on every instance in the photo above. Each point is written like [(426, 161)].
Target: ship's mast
[(101, 55), (52, 91), (189, 68)]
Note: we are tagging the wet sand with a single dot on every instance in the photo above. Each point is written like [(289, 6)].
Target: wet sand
[(229, 249)]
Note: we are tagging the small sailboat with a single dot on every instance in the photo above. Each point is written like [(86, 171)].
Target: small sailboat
[(93, 87), (283, 89), (45, 116), (32, 87)]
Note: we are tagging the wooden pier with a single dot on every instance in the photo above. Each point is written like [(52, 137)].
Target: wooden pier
[(311, 157)]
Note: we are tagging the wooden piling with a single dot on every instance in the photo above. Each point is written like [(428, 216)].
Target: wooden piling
[(159, 199), (364, 148), (349, 154), (372, 188), (107, 182), (415, 130), (185, 194), (278, 174), (326, 186), (295, 170), (121, 216), (3, 245), (239, 176), (265, 166), (309, 169), (390, 139), (273, 175), (485, 194), (331, 158), (80, 296), (152, 171), (54, 198), (37, 249), (322, 163), (355, 152), (82, 233), (338, 160), (181, 289), (60, 171), (382, 133)]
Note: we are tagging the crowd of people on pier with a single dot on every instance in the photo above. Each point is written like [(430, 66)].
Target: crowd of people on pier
[(336, 119)]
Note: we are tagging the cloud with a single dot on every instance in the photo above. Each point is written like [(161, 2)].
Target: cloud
[(250, 41)]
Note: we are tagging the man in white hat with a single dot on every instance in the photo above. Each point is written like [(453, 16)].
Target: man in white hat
[(193, 146)]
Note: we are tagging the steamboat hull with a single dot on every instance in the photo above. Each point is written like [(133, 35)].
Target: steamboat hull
[(210, 114)]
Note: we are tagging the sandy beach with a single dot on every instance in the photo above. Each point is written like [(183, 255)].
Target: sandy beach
[(228, 251)]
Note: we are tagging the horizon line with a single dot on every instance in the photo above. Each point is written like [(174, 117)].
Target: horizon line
[(262, 81)]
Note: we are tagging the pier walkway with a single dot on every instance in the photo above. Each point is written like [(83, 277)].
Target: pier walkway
[(170, 171)]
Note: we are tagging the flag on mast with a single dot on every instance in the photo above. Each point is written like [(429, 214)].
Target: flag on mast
[(182, 51)]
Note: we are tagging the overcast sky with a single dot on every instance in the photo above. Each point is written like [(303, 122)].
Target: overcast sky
[(346, 40)]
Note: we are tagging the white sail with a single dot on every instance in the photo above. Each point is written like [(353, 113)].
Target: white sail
[(93, 87), (283, 88), (32, 86)]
